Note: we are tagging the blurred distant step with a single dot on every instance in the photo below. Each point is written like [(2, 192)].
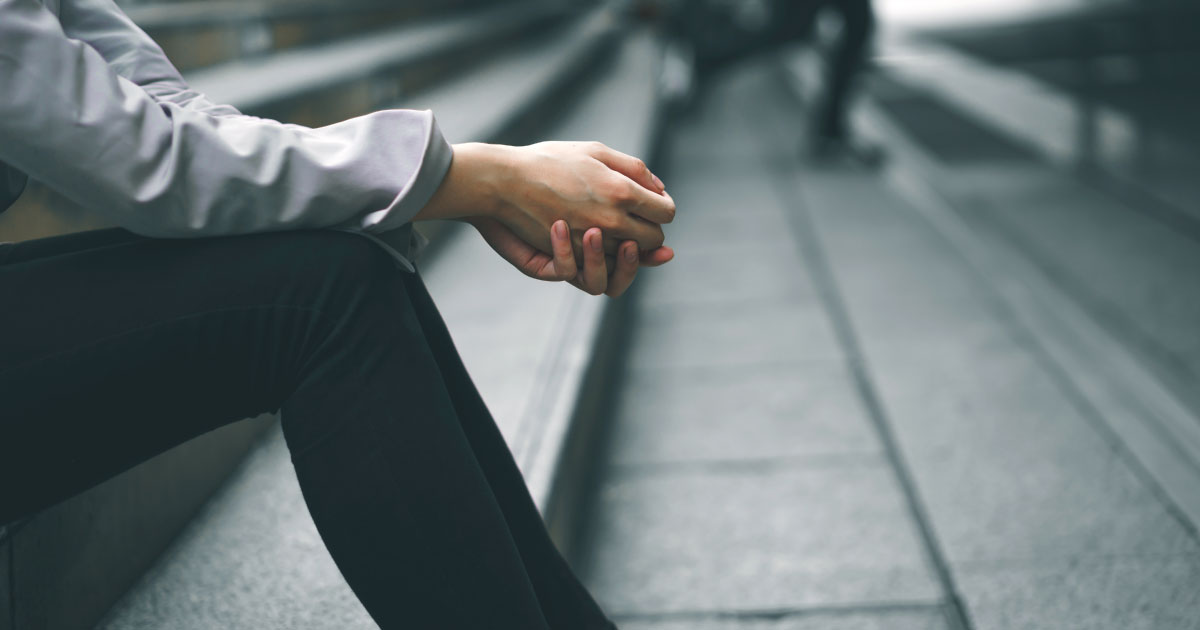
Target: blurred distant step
[(200, 33), (1105, 146), (538, 351), (323, 84), (1079, 31)]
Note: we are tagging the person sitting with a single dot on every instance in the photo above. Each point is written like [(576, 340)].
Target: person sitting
[(261, 266)]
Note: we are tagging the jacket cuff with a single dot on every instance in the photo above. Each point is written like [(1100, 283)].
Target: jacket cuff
[(419, 189)]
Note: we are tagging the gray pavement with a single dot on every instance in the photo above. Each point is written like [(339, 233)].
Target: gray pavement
[(832, 420)]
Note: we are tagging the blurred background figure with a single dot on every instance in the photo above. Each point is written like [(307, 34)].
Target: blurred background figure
[(839, 34), (830, 136)]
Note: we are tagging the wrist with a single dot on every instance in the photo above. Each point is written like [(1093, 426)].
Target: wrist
[(475, 187), (493, 169)]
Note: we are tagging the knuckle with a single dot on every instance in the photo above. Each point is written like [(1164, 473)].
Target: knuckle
[(622, 193), (656, 240), (609, 222)]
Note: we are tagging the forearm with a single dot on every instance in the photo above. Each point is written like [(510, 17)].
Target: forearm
[(162, 169)]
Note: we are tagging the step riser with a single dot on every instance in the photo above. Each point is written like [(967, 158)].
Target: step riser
[(70, 562)]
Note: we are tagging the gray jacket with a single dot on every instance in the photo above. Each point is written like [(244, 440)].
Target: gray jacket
[(91, 107)]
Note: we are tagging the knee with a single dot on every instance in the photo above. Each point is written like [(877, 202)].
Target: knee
[(337, 276), (349, 258), (334, 266)]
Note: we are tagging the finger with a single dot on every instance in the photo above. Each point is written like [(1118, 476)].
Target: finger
[(629, 166), (520, 254), (656, 257), (595, 271), (610, 246), (564, 254), (648, 235), (650, 206), (626, 269)]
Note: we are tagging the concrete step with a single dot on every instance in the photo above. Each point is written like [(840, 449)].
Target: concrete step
[(1050, 466), (1104, 283), (252, 558)]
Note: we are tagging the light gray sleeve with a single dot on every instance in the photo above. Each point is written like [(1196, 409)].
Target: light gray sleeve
[(175, 166)]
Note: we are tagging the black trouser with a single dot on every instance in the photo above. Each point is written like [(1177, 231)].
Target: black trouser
[(796, 19), (114, 348), (847, 61)]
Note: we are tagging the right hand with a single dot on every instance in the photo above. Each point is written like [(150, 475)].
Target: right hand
[(599, 274)]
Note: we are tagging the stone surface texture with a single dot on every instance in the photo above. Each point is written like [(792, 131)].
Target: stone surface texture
[(745, 476), (748, 483)]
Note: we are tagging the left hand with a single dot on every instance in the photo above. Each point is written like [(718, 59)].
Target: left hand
[(600, 275)]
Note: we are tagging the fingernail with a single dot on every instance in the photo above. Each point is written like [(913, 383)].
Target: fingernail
[(560, 229), (631, 254), (658, 181), (597, 245)]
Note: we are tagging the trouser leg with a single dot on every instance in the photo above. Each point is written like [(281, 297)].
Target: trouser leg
[(121, 347), (564, 600), (844, 66)]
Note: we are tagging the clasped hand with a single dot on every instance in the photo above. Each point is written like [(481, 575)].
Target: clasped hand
[(560, 211)]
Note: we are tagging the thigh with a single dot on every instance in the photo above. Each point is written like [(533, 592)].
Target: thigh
[(13, 253), (115, 347)]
